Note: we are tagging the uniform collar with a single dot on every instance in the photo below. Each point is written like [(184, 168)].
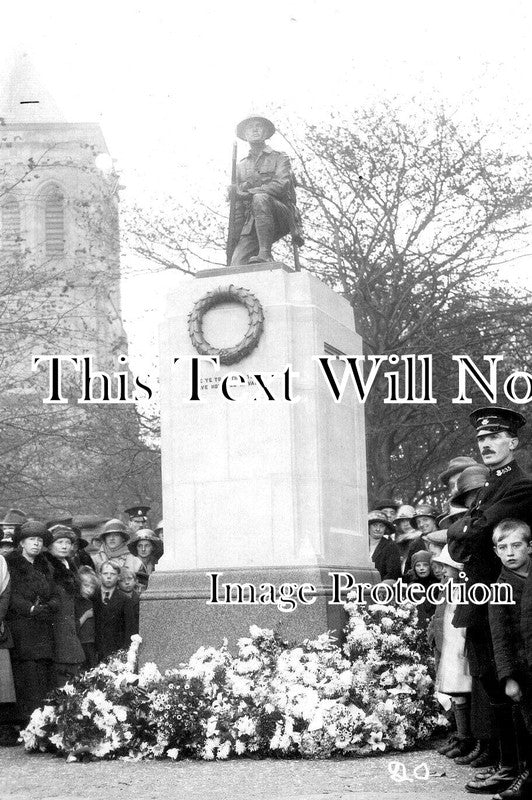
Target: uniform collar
[(500, 471), (266, 149)]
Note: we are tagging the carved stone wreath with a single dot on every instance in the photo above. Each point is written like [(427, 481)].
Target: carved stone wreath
[(224, 294)]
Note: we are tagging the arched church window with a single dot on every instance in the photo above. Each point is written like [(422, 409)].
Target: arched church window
[(10, 214), (54, 222)]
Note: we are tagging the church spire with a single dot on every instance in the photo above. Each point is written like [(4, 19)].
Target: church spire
[(23, 98)]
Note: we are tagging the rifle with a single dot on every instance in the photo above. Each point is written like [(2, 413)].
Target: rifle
[(231, 243)]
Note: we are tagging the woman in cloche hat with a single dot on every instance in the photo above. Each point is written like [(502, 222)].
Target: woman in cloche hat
[(113, 547), (34, 602), (146, 546)]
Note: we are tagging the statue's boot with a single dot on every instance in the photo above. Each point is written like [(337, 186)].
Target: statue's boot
[(264, 228)]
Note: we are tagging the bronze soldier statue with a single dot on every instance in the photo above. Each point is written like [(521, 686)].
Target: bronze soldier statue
[(263, 199)]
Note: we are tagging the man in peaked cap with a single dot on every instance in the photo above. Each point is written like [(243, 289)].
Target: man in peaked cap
[(138, 518), (265, 196), (507, 492)]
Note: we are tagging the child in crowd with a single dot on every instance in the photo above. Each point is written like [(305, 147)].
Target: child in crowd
[(511, 540), (89, 585), (421, 573), (435, 542), (453, 677), (114, 613), (129, 584)]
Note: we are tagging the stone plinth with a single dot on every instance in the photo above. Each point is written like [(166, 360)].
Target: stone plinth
[(257, 484)]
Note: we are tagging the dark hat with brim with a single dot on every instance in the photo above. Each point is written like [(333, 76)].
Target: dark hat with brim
[(470, 479), (380, 516), (32, 528), (113, 526), (241, 127), (424, 510), (146, 535), (61, 532), (14, 517), (455, 466), (494, 419)]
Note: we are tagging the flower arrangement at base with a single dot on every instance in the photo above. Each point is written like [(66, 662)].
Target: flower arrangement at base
[(313, 700)]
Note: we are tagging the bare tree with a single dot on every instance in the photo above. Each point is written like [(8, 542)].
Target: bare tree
[(410, 215)]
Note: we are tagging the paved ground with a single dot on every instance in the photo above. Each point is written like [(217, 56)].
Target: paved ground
[(45, 777)]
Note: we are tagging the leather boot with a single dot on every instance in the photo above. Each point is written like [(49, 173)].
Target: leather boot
[(448, 744), (470, 756), (508, 768), (487, 757), (465, 741), (264, 228), (500, 780), (520, 789), (462, 748)]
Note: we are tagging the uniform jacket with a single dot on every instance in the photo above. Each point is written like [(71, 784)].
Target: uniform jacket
[(387, 560), (505, 626), (115, 623), (506, 493), (31, 584), (67, 646), (271, 172)]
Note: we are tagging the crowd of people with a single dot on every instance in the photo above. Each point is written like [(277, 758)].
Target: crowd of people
[(482, 640), (64, 609)]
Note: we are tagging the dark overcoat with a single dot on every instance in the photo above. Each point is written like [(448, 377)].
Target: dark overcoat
[(67, 646), (505, 626), (506, 493), (387, 560), (115, 623), (31, 584)]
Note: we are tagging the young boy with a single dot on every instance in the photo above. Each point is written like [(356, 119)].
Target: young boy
[(114, 614), (511, 540)]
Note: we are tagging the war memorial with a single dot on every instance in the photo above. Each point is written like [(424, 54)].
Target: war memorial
[(264, 474)]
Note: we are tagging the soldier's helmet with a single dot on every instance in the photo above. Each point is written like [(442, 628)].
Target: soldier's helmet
[(241, 127)]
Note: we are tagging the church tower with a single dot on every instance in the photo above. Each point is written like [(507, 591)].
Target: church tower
[(59, 237), (60, 295)]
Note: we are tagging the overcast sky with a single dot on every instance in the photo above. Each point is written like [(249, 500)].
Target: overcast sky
[(168, 83)]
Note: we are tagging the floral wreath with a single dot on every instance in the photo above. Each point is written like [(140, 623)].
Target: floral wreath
[(227, 355)]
